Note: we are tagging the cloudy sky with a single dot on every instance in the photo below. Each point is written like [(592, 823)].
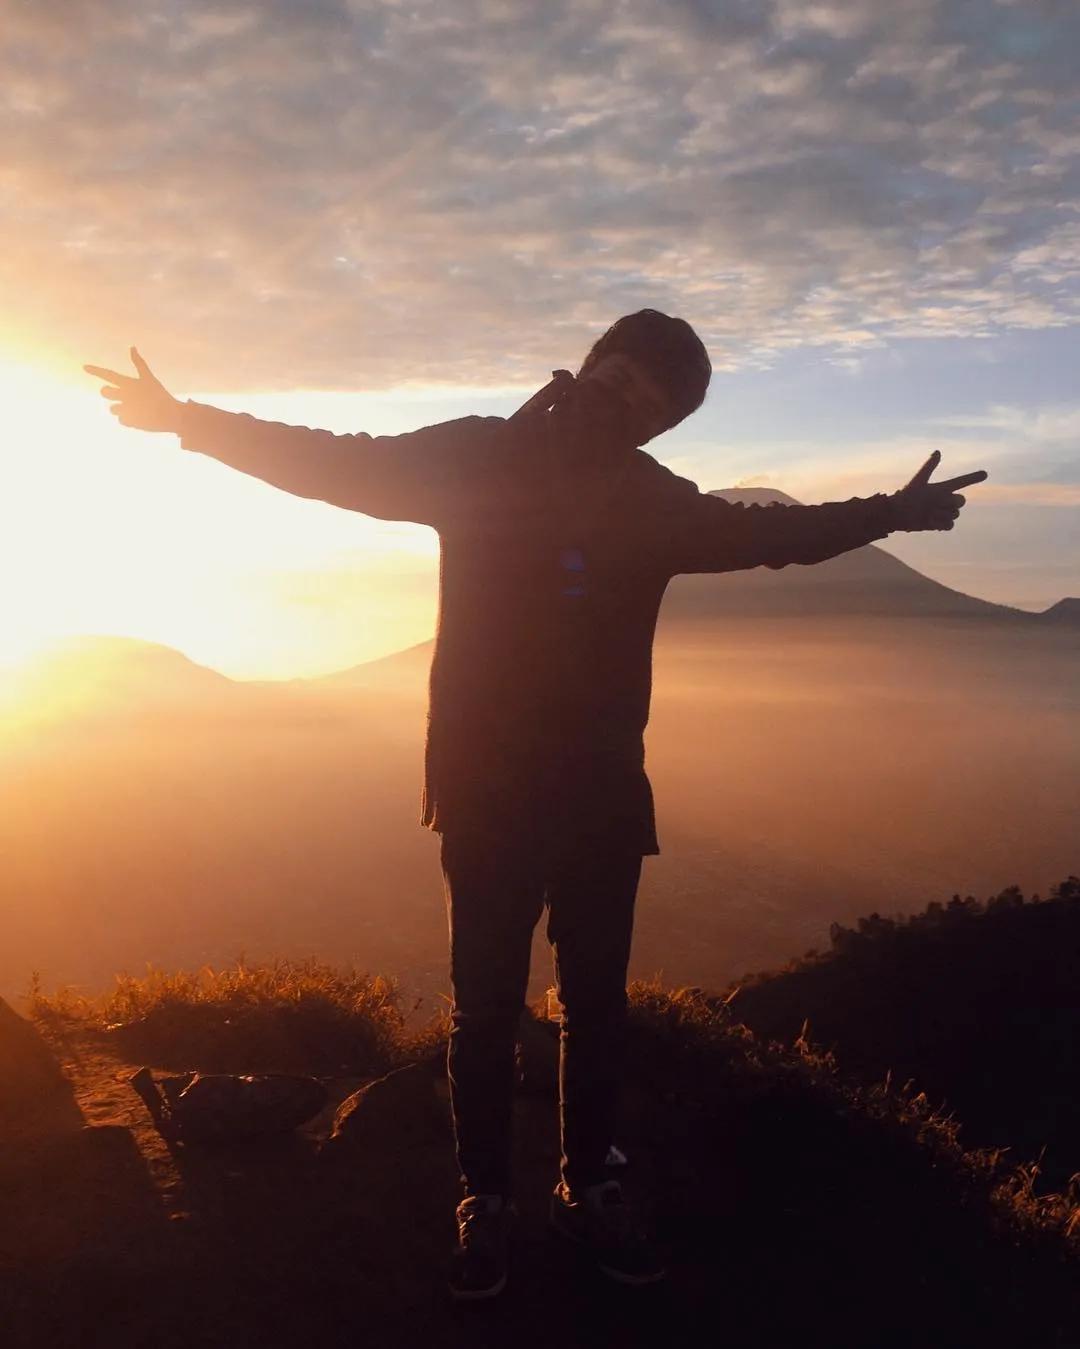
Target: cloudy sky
[(371, 216)]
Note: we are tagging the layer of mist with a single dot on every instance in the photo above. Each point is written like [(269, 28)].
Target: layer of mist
[(807, 770)]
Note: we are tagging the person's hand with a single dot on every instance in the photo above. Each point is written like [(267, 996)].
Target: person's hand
[(931, 505), (141, 400)]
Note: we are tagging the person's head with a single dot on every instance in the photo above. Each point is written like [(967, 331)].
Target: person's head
[(656, 365)]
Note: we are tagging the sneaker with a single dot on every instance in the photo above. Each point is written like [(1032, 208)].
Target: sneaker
[(479, 1263), (605, 1224)]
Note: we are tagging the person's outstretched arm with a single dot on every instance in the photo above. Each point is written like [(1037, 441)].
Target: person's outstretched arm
[(423, 476), (704, 533)]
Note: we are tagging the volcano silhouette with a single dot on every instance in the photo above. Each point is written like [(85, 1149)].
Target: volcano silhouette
[(867, 581)]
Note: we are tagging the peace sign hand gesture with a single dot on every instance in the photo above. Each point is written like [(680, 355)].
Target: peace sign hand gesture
[(141, 400), (931, 505)]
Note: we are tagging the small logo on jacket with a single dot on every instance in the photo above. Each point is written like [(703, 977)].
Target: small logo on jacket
[(572, 562)]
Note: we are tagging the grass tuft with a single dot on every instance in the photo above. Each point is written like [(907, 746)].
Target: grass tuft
[(298, 1016)]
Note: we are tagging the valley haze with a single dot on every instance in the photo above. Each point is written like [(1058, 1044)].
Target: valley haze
[(824, 742)]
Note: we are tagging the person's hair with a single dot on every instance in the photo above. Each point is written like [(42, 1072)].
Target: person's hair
[(668, 348)]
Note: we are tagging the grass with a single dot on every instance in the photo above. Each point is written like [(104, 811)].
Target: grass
[(689, 1044), (793, 1199), (975, 1002), (686, 1047), (298, 1016)]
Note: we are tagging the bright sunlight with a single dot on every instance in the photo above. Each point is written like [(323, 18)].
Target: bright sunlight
[(108, 531)]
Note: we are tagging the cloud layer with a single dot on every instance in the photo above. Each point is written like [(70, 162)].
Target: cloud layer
[(349, 195)]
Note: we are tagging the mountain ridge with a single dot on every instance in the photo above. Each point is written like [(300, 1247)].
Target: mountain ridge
[(1065, 610), (864, 581)]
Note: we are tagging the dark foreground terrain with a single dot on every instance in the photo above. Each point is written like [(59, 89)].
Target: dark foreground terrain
[(795, 1209), (976, 1002)]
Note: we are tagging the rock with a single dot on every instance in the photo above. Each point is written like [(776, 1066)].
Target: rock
[(392, 1151), (226, 1107), (79, 1195), (401, 1110), (35, 1096)]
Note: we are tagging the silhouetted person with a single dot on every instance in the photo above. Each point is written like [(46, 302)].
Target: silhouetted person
[(558, 537)]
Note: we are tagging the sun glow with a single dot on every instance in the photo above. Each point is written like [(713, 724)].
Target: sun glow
[(104, 530)]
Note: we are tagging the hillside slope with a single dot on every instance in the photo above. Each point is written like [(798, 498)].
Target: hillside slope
[(974, 1002), (793, 1209), (1066, 611)]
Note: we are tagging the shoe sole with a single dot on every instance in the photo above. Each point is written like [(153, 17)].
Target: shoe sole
[(619, 1275), (478, 1294)]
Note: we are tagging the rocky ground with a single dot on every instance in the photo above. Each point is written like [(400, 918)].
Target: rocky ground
[(785, 1218)]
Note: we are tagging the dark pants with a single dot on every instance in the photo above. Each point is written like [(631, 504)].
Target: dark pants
[(495, 893)]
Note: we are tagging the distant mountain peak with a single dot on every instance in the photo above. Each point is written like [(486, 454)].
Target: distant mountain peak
[(89, 673), (869, 580), (1064, 611), (750, 496), (110, 645)]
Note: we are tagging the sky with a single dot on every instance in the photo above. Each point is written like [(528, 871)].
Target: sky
[(378, 216)]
